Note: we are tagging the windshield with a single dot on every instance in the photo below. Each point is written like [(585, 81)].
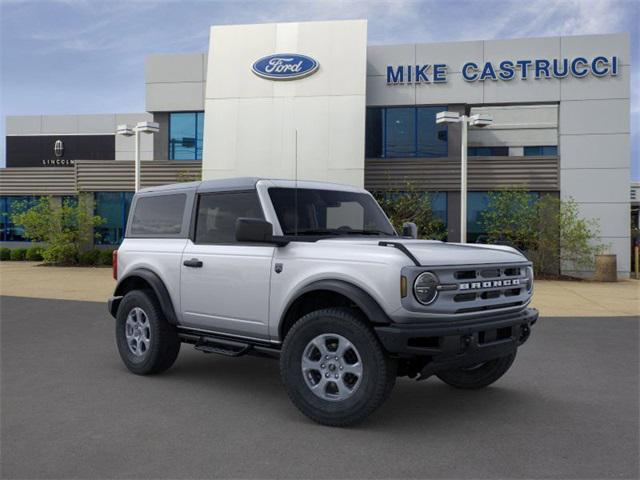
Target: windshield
[(306, 211)]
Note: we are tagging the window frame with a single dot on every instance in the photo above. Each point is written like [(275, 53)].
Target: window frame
[(196, 208)]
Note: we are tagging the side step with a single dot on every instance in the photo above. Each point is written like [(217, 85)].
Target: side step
[(222, 346)]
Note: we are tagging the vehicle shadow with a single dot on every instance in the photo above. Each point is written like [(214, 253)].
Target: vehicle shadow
[(411, 406)]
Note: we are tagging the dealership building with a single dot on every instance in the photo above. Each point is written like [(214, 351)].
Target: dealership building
[(312, 100)]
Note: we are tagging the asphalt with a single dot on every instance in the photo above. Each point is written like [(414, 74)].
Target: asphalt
[(567, 409)]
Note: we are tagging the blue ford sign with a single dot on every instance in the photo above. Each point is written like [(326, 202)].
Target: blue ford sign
[(285, 66)]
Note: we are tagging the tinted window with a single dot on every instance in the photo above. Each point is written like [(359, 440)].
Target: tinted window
[(541, 151), (10, 232), (328, 212), (160, 215), (400, 132), (218, 212), (432, 137), (185, 135), (488, 151), (113, 207), (405, 132), (374, 132)]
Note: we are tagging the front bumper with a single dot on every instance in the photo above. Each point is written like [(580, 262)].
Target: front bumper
[(454, 344)]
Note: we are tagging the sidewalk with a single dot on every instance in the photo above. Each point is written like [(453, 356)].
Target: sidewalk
[(552, 298)]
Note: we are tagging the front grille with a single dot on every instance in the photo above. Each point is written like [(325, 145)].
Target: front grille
[(494, 284), (480, 289)]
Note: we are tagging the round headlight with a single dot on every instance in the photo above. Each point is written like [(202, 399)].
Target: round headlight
[(425, 288), (529, 280)]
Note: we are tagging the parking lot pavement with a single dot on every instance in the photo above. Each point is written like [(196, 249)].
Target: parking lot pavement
[(567, 409)]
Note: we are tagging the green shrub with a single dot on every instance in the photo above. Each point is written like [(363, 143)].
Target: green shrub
[(63, 227), (105, 257), (550, 230), (34, 254), (90, 257), (18, 254), (5, 254)]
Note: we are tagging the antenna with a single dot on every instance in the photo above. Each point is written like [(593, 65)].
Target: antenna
[(295, 188)]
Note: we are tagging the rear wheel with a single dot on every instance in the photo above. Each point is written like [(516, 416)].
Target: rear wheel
[(334, 368), (147, 343), (478, 376)]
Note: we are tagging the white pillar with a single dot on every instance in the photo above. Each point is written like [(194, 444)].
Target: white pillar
[(463, 182), (137, 161)]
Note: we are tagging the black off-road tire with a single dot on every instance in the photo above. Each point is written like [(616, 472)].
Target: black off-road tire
[(379, 371), (164, 344), (480, 376)]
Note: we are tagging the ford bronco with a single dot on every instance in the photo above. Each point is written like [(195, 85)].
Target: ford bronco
[(313, 274)]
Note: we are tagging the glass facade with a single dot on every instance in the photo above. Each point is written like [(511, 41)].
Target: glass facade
[(9, 232), (185, 135), (541, 151), (114, 208), (488, 151), (393, 132)]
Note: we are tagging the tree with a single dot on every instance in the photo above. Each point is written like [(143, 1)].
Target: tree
[(410, 205), (66, 228), (548, 229)]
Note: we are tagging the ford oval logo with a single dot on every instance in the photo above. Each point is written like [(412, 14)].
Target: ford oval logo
[(285, 66)]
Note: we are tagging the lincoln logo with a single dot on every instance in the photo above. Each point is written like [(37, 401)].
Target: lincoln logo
[(489, 284), (285, 66), (58, 148)]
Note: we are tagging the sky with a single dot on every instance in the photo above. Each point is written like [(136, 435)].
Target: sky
[(87, 56)]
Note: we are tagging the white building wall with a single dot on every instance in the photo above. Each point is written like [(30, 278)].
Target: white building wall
[(251, 122), (592, 128)]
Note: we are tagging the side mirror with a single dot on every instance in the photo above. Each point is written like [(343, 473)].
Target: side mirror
[(410, 229), (253, 230), (256, 230)]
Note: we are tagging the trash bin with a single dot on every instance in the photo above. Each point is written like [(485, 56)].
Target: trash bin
[(606, 268)]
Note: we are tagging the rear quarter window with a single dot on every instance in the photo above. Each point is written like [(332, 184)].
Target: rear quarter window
[(160, 215)]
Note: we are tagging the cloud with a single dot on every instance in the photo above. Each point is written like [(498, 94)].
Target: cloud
[(67, 56)]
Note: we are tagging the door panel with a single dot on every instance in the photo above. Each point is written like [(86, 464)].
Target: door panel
[(225, 284), (229, 293)]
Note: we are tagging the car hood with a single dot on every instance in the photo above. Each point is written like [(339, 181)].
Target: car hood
[(436, 253)]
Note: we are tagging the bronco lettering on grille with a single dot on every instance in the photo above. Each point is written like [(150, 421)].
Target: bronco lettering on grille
[(489, 284)]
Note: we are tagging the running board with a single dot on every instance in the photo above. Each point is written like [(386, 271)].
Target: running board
[(208, 342), (220, 346)]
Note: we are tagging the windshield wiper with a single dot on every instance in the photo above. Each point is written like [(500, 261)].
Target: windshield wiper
[(338, 232), (312, 231), (366, 232)]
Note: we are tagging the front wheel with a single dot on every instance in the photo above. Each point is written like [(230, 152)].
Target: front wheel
[(334, 368), (478, 376)]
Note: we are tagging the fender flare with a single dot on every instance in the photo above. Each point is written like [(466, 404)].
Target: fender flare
[(158, 287), (357, 295)]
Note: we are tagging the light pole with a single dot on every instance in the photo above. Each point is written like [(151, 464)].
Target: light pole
[(477, 120), (128, 131)]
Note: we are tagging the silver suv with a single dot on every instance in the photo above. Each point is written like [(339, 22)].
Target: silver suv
[(313, 273)]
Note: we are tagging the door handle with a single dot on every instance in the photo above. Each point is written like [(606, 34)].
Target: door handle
[(194, 262)]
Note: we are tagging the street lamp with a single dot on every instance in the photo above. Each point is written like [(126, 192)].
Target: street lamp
[(477, 120), (128, 131)]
